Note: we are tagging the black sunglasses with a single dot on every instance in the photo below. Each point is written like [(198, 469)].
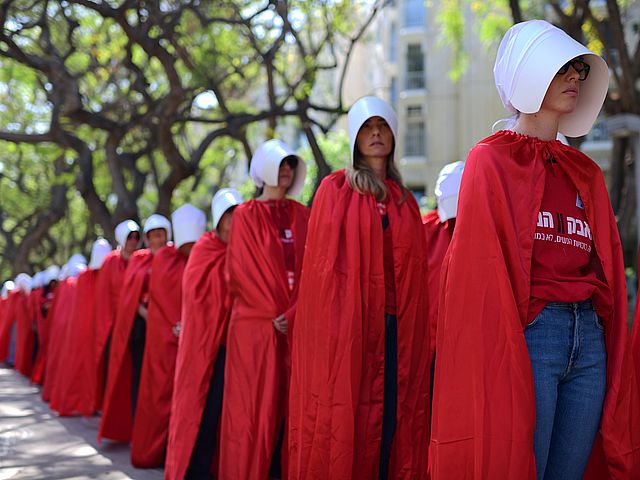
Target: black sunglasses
[(291, 160), (579, 65)]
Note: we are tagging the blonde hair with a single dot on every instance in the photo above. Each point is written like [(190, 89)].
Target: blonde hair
[(363, 179)]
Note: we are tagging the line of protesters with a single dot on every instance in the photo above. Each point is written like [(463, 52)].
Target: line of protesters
[(357, 340)]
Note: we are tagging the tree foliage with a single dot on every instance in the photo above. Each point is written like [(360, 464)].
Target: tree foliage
[(137, 106)]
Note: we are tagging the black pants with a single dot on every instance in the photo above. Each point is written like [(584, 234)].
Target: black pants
[(136, 346), (36, 339), (275, 469), (205, 445), (390, 393)]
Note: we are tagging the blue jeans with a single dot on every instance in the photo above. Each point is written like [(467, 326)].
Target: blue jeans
[(569, 360)]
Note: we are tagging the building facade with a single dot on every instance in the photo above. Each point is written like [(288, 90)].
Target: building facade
[(405, 61)]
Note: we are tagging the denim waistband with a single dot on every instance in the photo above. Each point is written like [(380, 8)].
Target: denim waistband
[(583, 305)]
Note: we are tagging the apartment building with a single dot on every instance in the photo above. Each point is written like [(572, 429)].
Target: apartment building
[(405, 61)]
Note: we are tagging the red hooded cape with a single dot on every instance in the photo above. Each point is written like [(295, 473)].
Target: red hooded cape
[(76, 389), (8, 319), (3, 316), (438, 239), (25, 334), (337, 383), (116, 421), (57, 356), (106, 303), (151, 425), (256, 375), (35, 300), (205, 317), (483, 405), (635, 338)]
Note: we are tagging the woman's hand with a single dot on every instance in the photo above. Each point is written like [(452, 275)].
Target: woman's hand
[(142, 311), (280, 324)]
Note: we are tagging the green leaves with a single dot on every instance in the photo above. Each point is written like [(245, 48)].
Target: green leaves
[(110, 94)]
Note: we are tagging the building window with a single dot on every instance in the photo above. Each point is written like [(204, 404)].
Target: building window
[(393, 42), (414, 13), (415, 67), (598, 132), (414, 141), (393, 94)]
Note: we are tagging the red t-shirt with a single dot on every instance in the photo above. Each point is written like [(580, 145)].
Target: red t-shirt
[(387, 254), (565, 263), (282, 221)]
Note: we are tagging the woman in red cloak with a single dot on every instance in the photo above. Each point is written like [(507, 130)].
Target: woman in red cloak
[(7, 321), (264, 259), (59, 318), (151, 425), (438, 228), (77, 381), (199, 381), (109, 287), (50, 284), (25, 332), (359, 389), (129, 334), (531, 358)]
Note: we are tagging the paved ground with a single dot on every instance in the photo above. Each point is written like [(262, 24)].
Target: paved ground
[(37, 444)]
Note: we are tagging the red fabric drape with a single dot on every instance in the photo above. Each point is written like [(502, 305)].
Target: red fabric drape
[(3, 316), (35, 300), (8, 320), (205, 317), (77, 381), (106, 303), (634, 344), (59, 316), (116, 421), (337, 383), (438, 236), (150, 428), (483, 405), (25, 334), (256, 373)]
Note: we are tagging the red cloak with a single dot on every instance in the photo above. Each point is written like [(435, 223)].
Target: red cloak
[(3, 311), (151, 424), (483, 405), (256, 371), (106, 303), (635, 337), (76, 389), (205, 317), (59, 316), (8, 319), (116, 421), (36, 298), (438, 239), (25, 333), (337, 383)]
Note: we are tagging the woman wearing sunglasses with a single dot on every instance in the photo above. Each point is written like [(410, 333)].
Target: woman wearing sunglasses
[(532, 323), (264, 259), (359, 387)]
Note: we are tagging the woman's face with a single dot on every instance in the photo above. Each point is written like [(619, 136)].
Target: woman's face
[(287, 171), (224, 226), (156, 239), (375, 138), (131, 245), (562, 94)]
